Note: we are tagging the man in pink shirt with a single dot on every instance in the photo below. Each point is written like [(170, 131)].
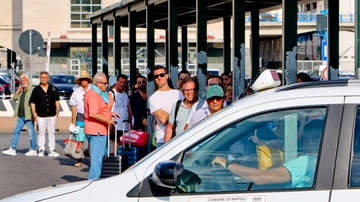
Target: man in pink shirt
[(97, 119)]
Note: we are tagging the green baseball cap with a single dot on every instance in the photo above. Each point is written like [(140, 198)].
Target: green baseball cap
[(214, 91)]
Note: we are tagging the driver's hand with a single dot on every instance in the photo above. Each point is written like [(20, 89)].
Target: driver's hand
[(255, 139), (220, 160)]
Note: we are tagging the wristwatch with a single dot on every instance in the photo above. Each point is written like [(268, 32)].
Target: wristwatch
[(57, 110), (228, 162)]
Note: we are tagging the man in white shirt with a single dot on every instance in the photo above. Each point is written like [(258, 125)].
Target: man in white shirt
[(162, 101), (118, 103)]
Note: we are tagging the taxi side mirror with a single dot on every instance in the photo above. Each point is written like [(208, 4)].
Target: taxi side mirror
[(166, 174), (172, 175)]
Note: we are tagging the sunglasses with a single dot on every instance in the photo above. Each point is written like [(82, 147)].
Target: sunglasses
[(105, 83), (214, 84), (213, 99), (157, 75), (142, 82)]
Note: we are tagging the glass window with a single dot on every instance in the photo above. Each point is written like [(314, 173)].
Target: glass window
[(355, 166), (75, 1), (79, 10), (85, 24), (85, 2), (96, 8), (276, 150), (75, 24), (75, 16), (83, 16), (75, 8), (85, 8)]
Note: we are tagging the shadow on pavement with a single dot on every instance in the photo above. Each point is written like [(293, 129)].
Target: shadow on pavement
[(61, 143), (72, 178)]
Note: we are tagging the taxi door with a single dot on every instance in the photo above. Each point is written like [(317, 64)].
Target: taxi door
[(304, 128), (347, 171)]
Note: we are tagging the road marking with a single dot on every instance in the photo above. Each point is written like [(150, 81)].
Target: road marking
[(9, 109)]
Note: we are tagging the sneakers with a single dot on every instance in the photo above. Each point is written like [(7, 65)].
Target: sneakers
[(31, 152), (10, 152), (41, 153), (53, 153)]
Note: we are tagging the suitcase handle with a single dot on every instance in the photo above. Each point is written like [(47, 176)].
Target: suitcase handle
[(126, 121), (108, 142)]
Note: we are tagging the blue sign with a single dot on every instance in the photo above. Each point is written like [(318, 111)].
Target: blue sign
[(324, 50)]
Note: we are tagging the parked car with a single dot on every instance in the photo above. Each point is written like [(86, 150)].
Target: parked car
[(7, 77), (260, 140), (5, 87), (214, 72), (64, 84)]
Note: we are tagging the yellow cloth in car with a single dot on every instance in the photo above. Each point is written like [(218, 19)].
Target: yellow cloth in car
[(268, 157)]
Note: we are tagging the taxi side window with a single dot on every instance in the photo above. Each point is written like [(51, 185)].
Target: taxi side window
[(243, 155), (355, 166)]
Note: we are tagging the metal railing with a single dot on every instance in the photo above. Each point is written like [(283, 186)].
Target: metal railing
[(302, 17)]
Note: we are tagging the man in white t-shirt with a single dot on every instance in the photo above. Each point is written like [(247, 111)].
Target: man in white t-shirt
[(118, 103), (162, 101)]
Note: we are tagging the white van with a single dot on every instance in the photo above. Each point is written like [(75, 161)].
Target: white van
[(296, 143)]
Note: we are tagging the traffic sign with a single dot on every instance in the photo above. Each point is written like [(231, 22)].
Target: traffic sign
[(31, 41), (324, 50), (324, 73)]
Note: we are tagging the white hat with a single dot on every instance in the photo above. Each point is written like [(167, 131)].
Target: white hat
[(83, 75)]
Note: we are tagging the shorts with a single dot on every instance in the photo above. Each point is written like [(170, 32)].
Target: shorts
[(81, 135), (112, 134)]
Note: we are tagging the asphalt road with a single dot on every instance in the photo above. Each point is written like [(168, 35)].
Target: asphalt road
[(20, 173)]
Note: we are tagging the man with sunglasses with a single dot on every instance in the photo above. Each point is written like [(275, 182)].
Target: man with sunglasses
[(182, 76), (190, 89), (138, 104), (211, 81), (97, 117), (161, 102), (214, 99)]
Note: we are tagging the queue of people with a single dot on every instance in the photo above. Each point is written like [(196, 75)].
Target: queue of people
[(94, 108)]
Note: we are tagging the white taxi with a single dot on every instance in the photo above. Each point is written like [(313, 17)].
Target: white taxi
[(296, 143)]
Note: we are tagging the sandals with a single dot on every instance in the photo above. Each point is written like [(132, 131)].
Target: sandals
[(78, 164)]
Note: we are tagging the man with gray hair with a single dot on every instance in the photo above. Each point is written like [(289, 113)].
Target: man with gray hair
[(45, 106), (24, 116), (97, 119)]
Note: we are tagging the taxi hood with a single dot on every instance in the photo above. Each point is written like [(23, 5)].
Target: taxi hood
[(49, 192)]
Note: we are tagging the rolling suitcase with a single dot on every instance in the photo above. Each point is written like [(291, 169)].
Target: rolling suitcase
[(113, 164), (133, 153)]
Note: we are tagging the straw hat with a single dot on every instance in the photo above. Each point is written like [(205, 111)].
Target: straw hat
[(83, 75)]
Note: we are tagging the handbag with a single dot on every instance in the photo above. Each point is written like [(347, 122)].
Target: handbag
[(137, 138), (267, 156), (73, 148)]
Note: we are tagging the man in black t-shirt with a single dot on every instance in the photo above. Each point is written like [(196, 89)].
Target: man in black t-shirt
[(45, 106)]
